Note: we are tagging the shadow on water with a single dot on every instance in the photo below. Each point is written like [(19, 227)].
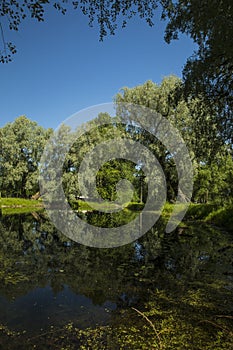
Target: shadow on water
[(49, 281)]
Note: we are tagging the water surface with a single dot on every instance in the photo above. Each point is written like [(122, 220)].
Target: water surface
[(48, 280)]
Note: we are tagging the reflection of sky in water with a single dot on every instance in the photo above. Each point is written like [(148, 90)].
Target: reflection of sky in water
[(41, 308)]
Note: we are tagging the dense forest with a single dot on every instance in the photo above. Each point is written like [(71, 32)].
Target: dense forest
[(22, 143)]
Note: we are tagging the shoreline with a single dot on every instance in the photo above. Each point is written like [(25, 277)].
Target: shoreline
[(209, 213)]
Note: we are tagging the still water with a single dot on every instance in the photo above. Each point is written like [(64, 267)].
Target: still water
[(49, 281)]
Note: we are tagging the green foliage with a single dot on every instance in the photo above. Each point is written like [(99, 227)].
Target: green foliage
[(105, 14), (207, 73), (213, 180), (209, 70), (191, 118), (200, 211), (212, 160), (21, 145), (222, 217), (111, 173), (100, 130)]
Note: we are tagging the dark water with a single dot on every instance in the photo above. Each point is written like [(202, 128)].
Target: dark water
[(47, 280)]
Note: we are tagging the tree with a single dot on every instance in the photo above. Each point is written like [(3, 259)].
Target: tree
[(209, 71), (191, 117), (209, 23), (99, 130), (21, 145), (213, 182), (199, 130)]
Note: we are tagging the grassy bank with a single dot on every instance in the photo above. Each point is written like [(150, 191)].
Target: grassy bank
[(82, 205), (19, 203), (221, 216), (212, 213)]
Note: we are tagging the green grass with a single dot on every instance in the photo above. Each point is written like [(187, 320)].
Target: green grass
[(90, 206), (200, 211), (20, 210), (82, 205), (207, 212), (19, 203), (221, 216)]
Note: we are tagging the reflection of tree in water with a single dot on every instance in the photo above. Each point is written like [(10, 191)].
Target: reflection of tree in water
[(182, 277), (34, 254)]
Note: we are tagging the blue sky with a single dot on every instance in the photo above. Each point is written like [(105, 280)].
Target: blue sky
[(61, 67)]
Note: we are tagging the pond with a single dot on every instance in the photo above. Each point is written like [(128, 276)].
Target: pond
[(183, 279)]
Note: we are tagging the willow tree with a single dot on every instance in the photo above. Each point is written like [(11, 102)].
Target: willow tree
[(21, 146), (192, 117)]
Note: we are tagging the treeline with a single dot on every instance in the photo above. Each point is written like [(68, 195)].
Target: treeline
[(22, 143)]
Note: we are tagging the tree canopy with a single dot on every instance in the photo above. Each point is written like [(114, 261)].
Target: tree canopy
[(198, 125), (209, 23), (209, 71), (22, 143)]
